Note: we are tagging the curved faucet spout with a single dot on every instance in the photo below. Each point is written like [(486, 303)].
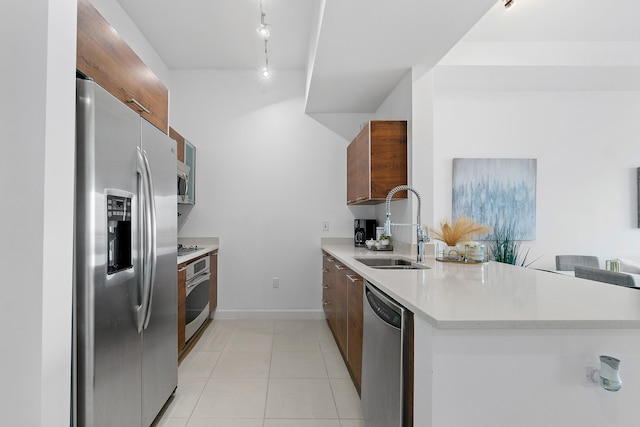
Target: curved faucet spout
[(422, 235)]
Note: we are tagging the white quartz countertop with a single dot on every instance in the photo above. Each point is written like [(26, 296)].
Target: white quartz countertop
[(497, 296), (202, 249)]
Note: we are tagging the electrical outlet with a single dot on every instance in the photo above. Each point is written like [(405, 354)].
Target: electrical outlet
[(325, 225), (276, 282)]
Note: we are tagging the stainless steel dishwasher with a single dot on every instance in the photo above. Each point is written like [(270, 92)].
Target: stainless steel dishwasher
[(382, 360)]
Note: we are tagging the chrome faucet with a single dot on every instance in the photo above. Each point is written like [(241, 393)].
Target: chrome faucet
[(422, 235)]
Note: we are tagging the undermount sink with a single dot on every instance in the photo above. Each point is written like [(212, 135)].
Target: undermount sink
[(391, 263)]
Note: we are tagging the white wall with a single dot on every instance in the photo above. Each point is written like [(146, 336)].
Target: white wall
[(587, 148), (267, 177), (398, 106), (37, 110), (422, 147)]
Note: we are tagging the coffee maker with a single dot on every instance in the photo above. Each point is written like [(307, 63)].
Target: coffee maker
[(363, 230)]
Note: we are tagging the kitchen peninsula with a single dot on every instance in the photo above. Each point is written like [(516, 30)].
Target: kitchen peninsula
[(494, 343)]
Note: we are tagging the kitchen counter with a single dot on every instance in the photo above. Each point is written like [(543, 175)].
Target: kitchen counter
[(497, 296), (202, 249)]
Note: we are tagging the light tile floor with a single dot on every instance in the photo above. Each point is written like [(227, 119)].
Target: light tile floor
[(264, 373)]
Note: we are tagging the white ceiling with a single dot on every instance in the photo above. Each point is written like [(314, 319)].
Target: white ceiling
[(361, 49), (561, 21), (221, 34)]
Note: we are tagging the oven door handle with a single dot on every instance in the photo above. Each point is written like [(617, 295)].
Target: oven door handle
[(198, 280)]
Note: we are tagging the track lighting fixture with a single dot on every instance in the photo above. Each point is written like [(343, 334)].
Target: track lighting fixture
[(265, 72), (263, 31), (508, 3), (263, 28)]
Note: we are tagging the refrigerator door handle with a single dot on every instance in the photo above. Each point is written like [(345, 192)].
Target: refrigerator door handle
[(151, 227), (140, 308), (145, 240)]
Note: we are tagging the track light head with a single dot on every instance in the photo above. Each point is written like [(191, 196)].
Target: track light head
[(263, 31)]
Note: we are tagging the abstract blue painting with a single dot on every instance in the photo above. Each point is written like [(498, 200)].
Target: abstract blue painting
[(497, 193)]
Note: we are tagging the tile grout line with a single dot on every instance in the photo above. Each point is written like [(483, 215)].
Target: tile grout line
[(212, 325), (266, 397)]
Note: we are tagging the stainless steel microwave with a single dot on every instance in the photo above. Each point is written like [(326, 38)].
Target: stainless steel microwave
[(183, 182)]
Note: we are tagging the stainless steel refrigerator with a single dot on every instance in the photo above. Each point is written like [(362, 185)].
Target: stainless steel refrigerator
[(125, 309)]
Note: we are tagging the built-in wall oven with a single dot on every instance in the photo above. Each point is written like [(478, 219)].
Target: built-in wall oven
[(197, 304)]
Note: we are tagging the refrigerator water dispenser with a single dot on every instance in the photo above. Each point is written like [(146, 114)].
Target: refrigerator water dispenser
[(118, 233)]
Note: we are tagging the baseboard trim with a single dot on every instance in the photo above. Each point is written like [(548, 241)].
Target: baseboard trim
[(269, 314)]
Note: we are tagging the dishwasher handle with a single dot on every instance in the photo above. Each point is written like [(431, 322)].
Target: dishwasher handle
[(385, 309)]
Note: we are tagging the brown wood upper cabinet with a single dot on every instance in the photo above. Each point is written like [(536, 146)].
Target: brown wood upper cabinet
[(173, 134), (377, 162), (105, 57)]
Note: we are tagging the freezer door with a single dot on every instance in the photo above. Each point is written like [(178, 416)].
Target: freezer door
[(107, 365), (160, 337)]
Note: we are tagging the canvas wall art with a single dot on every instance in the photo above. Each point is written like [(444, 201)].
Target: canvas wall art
[(497, 192)]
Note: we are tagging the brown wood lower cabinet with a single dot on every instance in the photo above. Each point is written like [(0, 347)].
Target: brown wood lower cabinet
[(340, 281), (213, 282), (342, 298), (328, 289)]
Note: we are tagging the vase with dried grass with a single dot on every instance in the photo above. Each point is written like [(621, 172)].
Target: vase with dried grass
[(458, 235)]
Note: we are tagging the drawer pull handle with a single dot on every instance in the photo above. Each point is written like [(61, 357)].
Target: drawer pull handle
[(324, 270), (340, 267), (325, 286), (325, 302), (353, 280), (141, 107)]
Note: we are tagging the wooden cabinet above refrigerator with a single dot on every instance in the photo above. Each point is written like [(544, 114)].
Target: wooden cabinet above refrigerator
[(105, 57)]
